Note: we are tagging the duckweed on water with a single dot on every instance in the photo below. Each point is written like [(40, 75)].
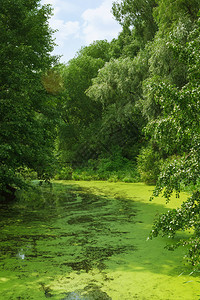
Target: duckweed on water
[(88, 240)]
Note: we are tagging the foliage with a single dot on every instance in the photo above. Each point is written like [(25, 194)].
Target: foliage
[(65, 173), (184, 218), (98, 106), (112, 168), (98, 49), (169, 12), (77, 110), (176, 131), (101, 172), (126, 45), (149, 164), (118, 88), (26, 110), (139, 14), (27, 174)]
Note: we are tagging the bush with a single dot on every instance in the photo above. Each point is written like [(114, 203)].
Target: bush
[(108, 169), (27, 173), (149, 165), (113, 168), (65, 173)]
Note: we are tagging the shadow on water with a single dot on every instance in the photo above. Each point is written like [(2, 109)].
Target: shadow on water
[(74, 231)]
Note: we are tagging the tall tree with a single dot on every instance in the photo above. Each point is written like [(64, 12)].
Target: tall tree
[(98, 49), (26, 108), (78, 111), (139, 15), (118, 87)]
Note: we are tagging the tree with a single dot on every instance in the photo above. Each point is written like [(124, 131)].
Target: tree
[(98, 49), (139, 15), (79, 113), (118, 88), (168, 13), (27, 115), (169, 70), (126, 45), (176, 131)]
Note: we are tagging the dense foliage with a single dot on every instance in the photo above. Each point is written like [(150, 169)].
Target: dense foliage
[(177, 132), (27, 116)]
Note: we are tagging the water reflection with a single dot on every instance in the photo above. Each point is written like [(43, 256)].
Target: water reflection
[(20, 254), (94, 294)]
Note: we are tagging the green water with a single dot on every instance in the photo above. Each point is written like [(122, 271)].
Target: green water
[(88, 240)]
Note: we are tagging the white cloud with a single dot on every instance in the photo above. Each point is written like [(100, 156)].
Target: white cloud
[(78, 26), (65, 30), (99, 23)]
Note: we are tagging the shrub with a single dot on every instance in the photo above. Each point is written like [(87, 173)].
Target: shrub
[(149, 165), (65, 173), (27, 173), (113, 168)]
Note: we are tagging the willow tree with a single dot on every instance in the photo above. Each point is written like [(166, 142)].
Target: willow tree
[(26, 108), (118, 87)]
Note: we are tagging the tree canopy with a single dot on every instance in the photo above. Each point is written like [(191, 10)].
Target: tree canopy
[(27, 116), (177, 132), (139, 15)]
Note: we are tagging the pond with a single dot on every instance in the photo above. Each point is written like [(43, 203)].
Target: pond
[(88, 240)]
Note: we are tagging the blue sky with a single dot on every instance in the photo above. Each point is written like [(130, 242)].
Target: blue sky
[(79, 23)]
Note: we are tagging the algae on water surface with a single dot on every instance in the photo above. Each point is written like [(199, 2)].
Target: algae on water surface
[(88, 241)]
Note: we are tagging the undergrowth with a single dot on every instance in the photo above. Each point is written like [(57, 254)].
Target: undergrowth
[(113, 170)]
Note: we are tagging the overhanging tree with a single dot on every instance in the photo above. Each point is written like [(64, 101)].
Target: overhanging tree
[(177, 132)]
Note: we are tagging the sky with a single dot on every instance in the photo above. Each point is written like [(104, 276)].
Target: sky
[(79, 23)]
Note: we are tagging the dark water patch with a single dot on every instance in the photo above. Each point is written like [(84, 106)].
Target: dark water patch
[(95, 257), (46, 289), (73, 296), (81, 219)]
